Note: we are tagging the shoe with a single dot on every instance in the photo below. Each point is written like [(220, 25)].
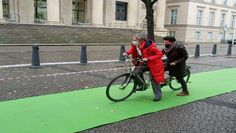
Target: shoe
[(140, 88), (156, 100), (183, 93)]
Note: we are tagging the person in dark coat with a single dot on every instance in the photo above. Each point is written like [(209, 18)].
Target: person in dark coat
[(146, 50), (176, 55)]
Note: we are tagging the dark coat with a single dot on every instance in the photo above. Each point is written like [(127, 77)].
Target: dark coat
[(176, 53)]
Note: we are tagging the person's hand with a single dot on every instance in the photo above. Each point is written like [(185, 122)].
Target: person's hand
[(145, 59), (125, 54), (172, 63)]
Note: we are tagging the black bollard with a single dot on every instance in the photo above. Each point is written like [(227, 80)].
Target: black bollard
[(35, 62), (214, 50), (197, 51), (83, 55), (229, 52), (122, 50)]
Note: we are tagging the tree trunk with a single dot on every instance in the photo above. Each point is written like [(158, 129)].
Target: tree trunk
[(149, 16), (150, 21)]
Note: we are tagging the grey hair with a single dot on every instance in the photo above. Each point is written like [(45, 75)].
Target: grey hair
[(142, 35)]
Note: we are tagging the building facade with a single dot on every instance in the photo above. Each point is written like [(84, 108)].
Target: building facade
[(99, 13), (201, 21)]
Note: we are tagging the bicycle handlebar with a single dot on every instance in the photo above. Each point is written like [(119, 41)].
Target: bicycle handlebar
[(137, 59)]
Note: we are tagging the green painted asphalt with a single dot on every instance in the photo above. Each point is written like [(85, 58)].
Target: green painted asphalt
[(79, 110)]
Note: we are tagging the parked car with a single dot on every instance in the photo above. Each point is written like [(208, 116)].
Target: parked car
[(230, 41)]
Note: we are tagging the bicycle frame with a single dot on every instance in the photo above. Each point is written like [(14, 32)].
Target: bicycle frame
[(132, 70)]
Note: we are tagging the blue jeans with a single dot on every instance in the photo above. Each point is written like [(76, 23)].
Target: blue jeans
[(156, 88)]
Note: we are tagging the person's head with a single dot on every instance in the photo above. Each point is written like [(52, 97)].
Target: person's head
[(168, 40), (139, 38)]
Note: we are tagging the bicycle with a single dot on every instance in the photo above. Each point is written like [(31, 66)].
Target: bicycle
[(123, 86)]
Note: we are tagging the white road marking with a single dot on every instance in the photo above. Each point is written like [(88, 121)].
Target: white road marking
[(62, 74)]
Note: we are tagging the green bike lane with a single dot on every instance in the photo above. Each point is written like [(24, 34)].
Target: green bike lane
[(84, 109)]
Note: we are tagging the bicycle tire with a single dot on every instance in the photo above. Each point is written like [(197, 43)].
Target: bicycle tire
[(175, 85), (127, 87)]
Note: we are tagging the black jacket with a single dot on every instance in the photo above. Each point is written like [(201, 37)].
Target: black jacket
[(176, 53)]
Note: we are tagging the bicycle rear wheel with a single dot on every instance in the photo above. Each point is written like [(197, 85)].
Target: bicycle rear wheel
[(120, 88), (175, 85)]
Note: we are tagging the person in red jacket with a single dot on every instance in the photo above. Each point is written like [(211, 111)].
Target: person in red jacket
[(146, 50)]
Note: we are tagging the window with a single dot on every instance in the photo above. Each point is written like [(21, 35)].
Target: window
[(198, 35), (171, 33), (221, 36), (209, 36), (173, 18), (212, 19), (199, 17), (225, 2), (213, 1), (78, 8), (222, 20), (231, 36), (121, 10), (5, 5), (234, 3), (40, 7), (233, 21)]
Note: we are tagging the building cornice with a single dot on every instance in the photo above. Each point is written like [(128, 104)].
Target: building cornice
[(202, 2)]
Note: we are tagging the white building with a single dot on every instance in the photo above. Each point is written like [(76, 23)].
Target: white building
[(192, 21), (203, 21), (99, 13)]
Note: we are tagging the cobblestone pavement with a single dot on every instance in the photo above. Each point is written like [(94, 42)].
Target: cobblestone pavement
[(216, 114)]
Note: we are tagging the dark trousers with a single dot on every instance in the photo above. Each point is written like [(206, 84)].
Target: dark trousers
[(183, 83), (139, 70), (156, 88)]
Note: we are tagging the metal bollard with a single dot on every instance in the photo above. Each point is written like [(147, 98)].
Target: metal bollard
[(83, 55), (122, 50), (35, 62), (229, 52), (197, 51), (214, 50)]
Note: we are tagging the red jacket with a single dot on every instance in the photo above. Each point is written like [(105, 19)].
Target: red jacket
[(154, 56)]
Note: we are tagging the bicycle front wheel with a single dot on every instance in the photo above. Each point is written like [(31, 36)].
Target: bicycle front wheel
[(175, 85), (120, 88)]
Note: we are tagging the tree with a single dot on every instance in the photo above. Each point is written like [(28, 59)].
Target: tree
[(149, 16)]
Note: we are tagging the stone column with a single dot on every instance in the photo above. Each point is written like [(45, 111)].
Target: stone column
[(26, 11), (53, 11), (160, 8), (66, 12), (97, 12), (1, 11), (133, 13)]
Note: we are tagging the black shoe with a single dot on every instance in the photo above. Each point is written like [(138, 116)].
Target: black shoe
[(142, 87), (139, 88), (156, 100)]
